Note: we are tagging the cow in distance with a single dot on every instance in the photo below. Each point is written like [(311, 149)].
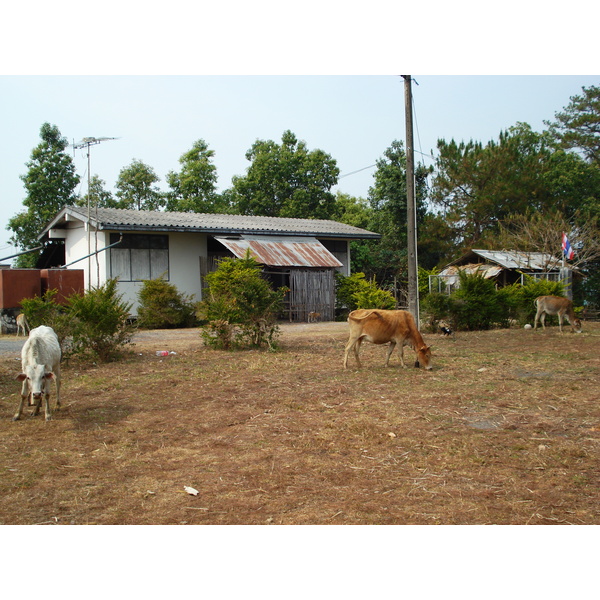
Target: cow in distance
[(556, 305)]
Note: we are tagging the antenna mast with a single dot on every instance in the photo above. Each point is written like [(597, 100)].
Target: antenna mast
[(87, 142)]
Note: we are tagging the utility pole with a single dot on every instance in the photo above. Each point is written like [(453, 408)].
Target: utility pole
[(411, 210)]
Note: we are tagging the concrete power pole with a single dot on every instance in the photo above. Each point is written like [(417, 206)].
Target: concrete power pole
[(411, 209)]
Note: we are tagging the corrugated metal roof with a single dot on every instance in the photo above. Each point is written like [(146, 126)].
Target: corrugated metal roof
[(282, 252), (146, 220), (488, 271), (513, 259)]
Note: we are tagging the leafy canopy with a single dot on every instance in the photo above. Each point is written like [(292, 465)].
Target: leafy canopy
[(286, 180), (50, 184)]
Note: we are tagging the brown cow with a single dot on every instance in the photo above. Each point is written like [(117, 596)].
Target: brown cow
[(383, 326), (556, 305)]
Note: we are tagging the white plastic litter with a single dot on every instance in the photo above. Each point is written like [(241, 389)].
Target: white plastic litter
[(191, 490)]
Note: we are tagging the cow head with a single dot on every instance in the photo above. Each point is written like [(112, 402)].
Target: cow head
[(424, 358), (577, 325), (37, 379)]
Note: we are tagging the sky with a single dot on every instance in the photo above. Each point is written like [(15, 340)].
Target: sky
[(354, 118)]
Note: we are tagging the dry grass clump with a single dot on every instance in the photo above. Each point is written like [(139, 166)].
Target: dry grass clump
[(505, 429)]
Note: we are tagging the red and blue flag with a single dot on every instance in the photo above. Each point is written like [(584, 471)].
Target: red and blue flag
[(566, 247)]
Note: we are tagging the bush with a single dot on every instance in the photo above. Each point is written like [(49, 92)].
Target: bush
[(100, 321), (437, 308), (162, 306), (240, 307), (355, 291), (345, 288), (475, 305), (373, 297), (45, 311)]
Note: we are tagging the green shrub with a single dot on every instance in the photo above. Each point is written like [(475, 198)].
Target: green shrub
[(355, 291), (345, 288), (162, 306), (475, 305), (373, 297), (100, 321), (436, 307), (240, 306), (46, 311)]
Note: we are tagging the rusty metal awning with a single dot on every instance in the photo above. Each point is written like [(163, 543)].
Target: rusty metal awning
[(276, 251)]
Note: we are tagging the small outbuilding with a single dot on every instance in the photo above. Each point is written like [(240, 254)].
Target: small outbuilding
[(136, 245), (505, 267)]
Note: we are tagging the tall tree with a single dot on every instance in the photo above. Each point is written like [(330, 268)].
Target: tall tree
[(476, 186), (193, 189), (577, 127), (98, 195), (50, 184), (286, 180), (136, 187), (388, 202)]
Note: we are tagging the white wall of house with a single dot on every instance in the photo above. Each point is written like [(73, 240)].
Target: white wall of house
[(76, 247), (185, 250)]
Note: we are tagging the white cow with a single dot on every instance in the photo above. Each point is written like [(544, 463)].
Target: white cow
[(556, 305), (40, 363)]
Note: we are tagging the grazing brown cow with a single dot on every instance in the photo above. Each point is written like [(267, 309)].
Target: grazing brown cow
[(556, 305), (383, 326)]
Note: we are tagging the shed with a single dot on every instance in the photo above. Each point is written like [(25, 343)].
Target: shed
[(505, 267)]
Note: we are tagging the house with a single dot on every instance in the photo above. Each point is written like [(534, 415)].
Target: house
[(505, 267), (134, 245)]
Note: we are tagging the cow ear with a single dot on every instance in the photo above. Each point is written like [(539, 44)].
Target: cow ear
[(49, 375), (21, 377)]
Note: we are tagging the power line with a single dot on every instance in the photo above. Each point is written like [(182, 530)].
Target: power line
[(358, 171)]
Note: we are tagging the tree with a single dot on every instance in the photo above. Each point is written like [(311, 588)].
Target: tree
[(50, 184), (98, 196), (286, 180), (193, 189), (388, 203), (136, 187), (577, 127), (477, 187)]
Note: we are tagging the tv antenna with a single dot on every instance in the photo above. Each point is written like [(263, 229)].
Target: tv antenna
[(88, 142)]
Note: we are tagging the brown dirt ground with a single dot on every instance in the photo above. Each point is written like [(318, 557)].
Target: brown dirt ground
[(504, 430)]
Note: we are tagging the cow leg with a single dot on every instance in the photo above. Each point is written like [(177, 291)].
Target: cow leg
[(389, 353), (543, 320), (560, 319), (57, 381), (356, 350), (20, 409), (351, 345), (47, 407)]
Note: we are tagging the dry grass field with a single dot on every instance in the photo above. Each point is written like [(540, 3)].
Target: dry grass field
[(504, 430)]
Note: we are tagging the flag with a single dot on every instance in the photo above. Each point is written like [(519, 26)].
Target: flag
[(566, 247)]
